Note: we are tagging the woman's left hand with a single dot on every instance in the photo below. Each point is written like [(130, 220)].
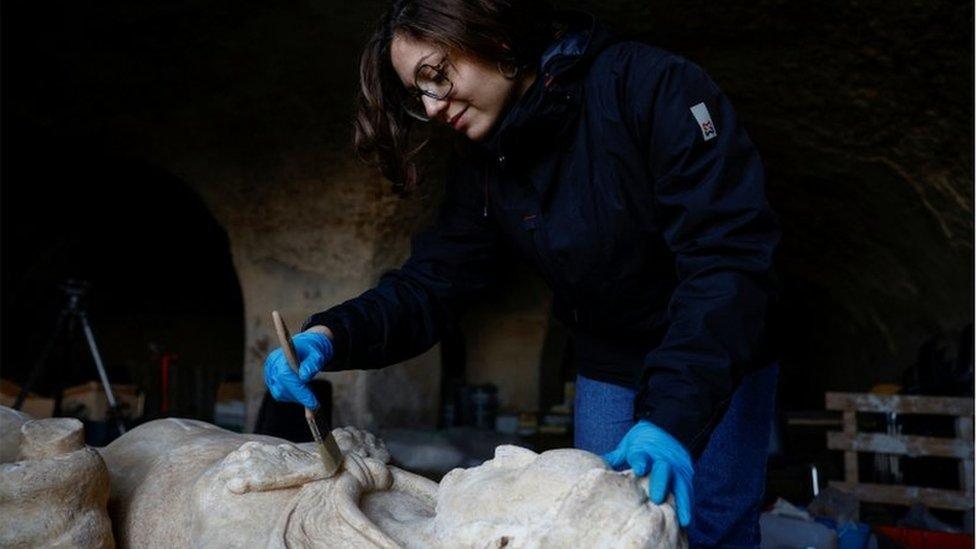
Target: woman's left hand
[(648, 448)]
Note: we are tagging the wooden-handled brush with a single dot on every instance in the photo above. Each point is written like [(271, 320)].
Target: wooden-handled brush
[(328, 449)]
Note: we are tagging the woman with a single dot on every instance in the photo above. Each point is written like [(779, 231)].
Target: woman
[(620, 171)]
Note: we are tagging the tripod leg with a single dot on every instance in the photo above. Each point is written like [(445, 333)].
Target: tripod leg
[(70, 369), (41, 363), (113, 406)]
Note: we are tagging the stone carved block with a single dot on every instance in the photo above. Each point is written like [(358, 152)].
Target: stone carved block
[(182, 483), (10, 422), (53, 488)]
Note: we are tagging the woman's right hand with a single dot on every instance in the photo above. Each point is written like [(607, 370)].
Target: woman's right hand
[(314, 351)]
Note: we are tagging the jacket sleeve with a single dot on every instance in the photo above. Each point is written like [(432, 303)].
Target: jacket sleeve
[(708, 186), (404, 315)]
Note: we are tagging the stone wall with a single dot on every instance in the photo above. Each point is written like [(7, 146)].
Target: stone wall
[(314, 242)]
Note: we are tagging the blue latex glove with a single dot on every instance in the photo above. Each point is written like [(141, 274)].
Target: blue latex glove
[(314, 352), (647, 448)]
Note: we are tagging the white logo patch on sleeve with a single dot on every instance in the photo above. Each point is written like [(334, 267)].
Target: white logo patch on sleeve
[(704, 119)]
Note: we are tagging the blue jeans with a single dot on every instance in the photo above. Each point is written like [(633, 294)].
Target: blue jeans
[(730, 475)]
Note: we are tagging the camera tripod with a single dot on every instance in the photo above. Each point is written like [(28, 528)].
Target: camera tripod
[(72, 315)]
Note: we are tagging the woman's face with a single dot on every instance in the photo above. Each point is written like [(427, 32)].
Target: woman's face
[(480, 95)]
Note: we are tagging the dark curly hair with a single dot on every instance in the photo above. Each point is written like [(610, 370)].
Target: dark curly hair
[(509, 32)]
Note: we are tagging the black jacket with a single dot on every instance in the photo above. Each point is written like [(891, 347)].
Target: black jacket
[(624, 176)]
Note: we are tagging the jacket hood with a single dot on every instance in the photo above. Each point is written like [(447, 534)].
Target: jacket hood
[(551, 103), (580, 38)]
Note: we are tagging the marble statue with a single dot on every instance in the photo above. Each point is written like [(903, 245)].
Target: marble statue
[(185, 483), (10, 422), (53, 488)]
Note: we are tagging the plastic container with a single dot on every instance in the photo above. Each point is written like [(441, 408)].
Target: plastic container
[(790, 533), (853, 535)]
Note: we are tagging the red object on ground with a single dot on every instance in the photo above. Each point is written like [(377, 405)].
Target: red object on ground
[(920, 539), (164, 363)]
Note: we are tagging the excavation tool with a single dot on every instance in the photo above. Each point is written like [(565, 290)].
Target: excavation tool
[(327, 447)]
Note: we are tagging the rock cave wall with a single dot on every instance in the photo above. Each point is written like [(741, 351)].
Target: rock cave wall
[(861, 110)]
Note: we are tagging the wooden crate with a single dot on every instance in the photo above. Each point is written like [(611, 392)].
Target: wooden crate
[(34, 405), (850, 441)]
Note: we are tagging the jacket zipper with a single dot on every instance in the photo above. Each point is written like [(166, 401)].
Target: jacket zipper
[(541, 256), (485, 213), (545, 264)]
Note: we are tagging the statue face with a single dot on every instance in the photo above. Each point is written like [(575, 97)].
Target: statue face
[(515, 479), (551, 499)]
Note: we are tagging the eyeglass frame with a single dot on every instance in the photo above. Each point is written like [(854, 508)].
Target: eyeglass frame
[(418, 92)]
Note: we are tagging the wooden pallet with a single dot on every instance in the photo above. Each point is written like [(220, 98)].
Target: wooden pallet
[(850, 441)]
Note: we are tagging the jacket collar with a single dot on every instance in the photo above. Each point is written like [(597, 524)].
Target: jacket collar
[(572, 48), (551, 104)]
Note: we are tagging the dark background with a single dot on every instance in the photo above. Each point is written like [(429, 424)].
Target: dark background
[(862, 111)]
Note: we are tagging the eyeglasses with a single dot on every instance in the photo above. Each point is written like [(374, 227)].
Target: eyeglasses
[(430, 81)]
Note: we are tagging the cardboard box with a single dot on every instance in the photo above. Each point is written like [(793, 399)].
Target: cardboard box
[(230, 390), (34, 405), (88, 401), (229, 407)]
